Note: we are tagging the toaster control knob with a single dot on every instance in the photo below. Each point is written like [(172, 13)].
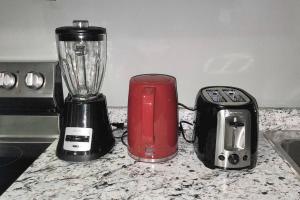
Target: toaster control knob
[(233, 159), (7, 80), (34, 80), (221, 157)]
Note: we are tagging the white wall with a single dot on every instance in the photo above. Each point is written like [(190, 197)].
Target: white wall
[(253, 44)]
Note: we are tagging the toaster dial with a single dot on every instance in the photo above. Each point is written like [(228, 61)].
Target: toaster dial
[(233, 159), (233, 140)]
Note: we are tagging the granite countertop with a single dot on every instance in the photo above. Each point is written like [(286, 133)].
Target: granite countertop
[(117, 176)]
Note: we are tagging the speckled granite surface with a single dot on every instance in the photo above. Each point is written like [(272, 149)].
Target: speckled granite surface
[(117, 176)]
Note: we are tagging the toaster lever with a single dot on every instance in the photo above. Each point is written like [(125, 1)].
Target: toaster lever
[(236, 137), (235, 123)]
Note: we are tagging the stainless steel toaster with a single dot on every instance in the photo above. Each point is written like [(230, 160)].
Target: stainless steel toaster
[(226, 128)]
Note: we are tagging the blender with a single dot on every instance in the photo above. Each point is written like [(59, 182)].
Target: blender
[(85, 131)]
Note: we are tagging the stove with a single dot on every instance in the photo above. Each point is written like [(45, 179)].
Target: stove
[(31, 99), (15, 158)]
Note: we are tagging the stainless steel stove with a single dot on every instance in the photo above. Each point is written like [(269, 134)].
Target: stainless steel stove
[(31, 99)]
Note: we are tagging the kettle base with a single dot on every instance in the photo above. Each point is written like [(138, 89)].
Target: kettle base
[(152, 160)]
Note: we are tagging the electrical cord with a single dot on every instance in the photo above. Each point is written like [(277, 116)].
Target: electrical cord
[(185, 122), (186, 107), (122, 138), (125, 133), (183, 132), (120, 126)]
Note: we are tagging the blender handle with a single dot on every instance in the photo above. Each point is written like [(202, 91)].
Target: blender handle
[(148, 115)]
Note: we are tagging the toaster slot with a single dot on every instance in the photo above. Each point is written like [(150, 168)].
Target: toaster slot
[(234, 95), (234, 134), (215, 96)]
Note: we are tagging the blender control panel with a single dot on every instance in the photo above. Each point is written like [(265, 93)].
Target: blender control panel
[(78, 139)]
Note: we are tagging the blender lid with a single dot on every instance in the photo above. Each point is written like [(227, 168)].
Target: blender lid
[(80, 31)]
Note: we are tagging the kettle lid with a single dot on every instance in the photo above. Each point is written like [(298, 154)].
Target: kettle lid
[(153, 79)]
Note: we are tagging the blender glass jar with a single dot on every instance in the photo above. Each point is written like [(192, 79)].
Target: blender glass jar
[(82, 56)]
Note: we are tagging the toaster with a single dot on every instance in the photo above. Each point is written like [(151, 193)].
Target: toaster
[(226, 128)]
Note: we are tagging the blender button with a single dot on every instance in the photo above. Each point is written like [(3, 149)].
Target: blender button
[(245, 157), (221, 157)]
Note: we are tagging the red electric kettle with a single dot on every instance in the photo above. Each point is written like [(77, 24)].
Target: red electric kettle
[(152, 117)]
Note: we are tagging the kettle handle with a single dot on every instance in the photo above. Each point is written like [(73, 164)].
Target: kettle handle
[(148, 115)]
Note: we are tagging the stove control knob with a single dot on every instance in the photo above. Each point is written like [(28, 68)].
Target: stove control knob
[(7, 80), (34, 80)]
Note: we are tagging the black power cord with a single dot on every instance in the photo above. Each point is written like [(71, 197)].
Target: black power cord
[(183, 132), (125, 134), (185, 122), (120, 126), (186, 107)]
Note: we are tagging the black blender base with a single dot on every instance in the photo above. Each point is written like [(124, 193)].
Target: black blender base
[(73, 156), (81, 115)]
